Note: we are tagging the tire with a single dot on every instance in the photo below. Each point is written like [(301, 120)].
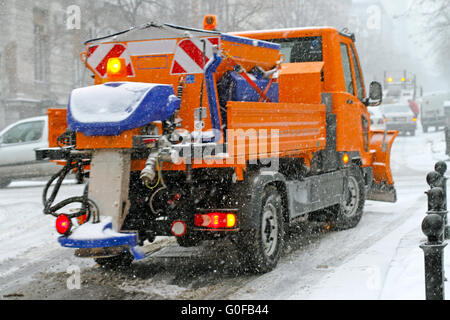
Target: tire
[(121, 261), (187, 241), (4, 183), (425, 129), (348, 214), (260, 249), (413, 133)]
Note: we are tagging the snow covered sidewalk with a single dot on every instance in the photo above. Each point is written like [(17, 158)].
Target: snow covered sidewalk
[(393, 268)]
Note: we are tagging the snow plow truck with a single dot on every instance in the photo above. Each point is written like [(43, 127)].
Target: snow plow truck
[(204, 135)]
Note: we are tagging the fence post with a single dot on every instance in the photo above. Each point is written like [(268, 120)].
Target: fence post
[(433, 227), (441, 167)]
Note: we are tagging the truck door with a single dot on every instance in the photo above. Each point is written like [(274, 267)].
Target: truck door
[(360, 93), (355, 119)]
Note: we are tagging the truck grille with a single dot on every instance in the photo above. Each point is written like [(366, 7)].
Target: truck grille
[(399, 119)]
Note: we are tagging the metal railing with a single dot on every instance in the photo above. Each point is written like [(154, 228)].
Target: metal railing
[(435, 227)]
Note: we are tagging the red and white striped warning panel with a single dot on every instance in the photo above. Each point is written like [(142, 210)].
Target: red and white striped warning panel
[(188, 57), (98, 56)]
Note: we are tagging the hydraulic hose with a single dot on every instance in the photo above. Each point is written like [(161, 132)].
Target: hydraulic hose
[(51, 209)]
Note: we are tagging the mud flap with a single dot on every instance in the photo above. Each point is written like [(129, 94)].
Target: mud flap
[(383, 185)]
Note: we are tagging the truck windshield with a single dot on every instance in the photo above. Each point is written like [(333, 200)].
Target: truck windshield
[(305, 49)]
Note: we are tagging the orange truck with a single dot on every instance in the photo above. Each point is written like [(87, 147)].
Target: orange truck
[(204, 135)]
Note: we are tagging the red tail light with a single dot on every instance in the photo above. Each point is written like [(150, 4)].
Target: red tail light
[(63, 224), (215, 220)]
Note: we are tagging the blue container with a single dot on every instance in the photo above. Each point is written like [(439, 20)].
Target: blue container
[(112, 108), (234, 87)]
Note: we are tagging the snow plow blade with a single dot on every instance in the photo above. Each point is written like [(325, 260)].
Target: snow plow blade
[(383, 186)]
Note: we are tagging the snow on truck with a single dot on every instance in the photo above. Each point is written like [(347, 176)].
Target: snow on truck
[(204, 135)]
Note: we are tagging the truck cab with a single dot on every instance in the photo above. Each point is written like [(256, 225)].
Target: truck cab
[(326, 64)]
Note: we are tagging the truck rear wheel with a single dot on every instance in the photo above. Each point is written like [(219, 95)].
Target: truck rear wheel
[(348, 214), (120, 261), (189, 240), (260, 249)]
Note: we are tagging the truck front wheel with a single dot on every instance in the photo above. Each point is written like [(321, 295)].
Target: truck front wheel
[(348, 214), (260, 248)]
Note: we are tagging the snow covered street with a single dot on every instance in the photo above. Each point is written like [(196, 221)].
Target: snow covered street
[(379, 259)]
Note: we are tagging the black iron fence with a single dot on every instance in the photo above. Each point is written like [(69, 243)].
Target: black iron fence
[(435, 227)]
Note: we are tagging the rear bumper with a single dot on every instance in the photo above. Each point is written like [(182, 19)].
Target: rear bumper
[(430, 122), (101, 236), (401, 126), (106, 246)]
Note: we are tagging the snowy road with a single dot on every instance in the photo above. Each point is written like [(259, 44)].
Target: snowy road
[(379, 259)]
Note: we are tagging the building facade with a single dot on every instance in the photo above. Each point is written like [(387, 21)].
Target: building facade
[(41, 42)]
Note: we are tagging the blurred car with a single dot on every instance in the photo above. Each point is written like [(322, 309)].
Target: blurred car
[(432, 110), (377, 120), (17, 151), (399, 117)]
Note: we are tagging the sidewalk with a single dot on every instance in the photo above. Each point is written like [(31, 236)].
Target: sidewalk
[(391, 269)]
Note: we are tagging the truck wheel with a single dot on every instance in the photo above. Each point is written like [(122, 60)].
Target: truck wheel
[(349, 212), (4, 183), (188, 241), (120, 261), (425, 129), (260, 249)]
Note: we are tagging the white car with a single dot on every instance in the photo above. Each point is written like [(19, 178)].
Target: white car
[(399, 117), (17, 151), (377, 120)]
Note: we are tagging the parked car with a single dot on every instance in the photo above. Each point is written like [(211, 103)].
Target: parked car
[(400, 117), (17, 151), (432, 110), (377, 120)]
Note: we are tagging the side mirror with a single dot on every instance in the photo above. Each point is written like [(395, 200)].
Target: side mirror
[(375, 95)]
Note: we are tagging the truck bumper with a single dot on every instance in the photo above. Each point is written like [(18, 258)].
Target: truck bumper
[(101, 239), (402, 127)]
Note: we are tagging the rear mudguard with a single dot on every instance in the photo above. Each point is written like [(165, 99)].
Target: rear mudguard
[(383, 187), (247, 196)]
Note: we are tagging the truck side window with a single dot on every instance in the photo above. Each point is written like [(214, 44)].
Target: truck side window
[(304, 49), (347, 69), (359, 82)]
